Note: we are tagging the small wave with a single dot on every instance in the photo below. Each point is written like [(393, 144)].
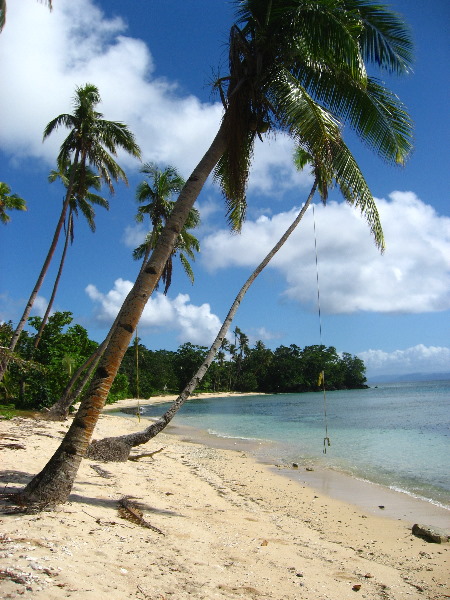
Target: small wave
[(419, 497), (235, 437)]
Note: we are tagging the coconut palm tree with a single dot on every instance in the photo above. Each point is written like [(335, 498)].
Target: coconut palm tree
[(157, 188), (91, 141), (3, 12), (82, 200), (154, 194), (294, 66), (8, 202)]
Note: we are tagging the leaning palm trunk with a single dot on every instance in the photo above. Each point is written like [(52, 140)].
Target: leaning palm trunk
[(118, 448), (60, 410), (56, 284), (54, 483), (43, 273)]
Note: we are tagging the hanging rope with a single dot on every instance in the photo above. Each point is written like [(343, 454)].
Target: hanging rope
[(136, 343), (321, 382)]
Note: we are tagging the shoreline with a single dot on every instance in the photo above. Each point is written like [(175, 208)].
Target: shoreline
[(224, 527), (364, 494)]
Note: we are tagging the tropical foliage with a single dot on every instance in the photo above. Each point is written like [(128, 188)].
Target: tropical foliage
[(36, 377), (242, 368), (9, 202), (92, 142), (154, 195), (297, 67)]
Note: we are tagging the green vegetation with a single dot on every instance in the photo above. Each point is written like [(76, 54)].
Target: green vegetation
[(92, 142), (243, 369), (35, 378), (9, 202), (301, 68), (38, 383)]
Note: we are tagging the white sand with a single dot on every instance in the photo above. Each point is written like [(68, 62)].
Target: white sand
[(232, 529)]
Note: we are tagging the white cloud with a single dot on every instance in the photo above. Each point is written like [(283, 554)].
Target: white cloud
[(417, 359), (273, 171), (46, 55), (412, 276), (134, 235), (195, 324)]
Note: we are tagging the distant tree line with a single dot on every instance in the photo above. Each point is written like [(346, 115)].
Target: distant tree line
[(242, 369), (36, 377)]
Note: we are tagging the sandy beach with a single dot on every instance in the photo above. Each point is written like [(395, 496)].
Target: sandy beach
[(219, 525)]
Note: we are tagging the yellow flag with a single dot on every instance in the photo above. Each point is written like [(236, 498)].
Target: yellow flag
[(321, 378)]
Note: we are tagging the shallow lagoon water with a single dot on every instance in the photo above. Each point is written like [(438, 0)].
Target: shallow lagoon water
[(396, 435)]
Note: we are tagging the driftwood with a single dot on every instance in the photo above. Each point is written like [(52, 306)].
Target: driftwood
[(139, 456), (101, 471), (130, 510)]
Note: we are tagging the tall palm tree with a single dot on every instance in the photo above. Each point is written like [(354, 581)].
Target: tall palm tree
[(154, 194), (91, 141), (3, 12), (82, 200), (8, 202), (296, 66)]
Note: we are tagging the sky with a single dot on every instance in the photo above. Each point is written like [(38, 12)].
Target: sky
[(153, 63)]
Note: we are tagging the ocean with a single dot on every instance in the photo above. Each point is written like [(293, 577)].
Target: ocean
[(396, 435)]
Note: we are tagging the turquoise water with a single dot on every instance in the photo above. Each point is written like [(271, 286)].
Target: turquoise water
[(397, 435)]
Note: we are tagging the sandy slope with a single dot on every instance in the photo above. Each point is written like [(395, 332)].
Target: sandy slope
[(230, 529)]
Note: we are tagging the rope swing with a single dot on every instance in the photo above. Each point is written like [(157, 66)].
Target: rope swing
[(321, 381)]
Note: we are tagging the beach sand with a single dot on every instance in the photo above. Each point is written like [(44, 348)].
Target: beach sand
[(229, 528)]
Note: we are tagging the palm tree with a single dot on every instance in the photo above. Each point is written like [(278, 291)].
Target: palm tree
[(82, 200), (3, 12), (159, 186), (164, 183), (9, 201), (92, 141), (295, 66)]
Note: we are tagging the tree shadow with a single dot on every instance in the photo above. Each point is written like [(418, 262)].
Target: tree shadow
[(14, 477), (113, 503)]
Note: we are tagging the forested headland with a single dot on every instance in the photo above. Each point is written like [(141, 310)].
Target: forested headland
[(38, 376)]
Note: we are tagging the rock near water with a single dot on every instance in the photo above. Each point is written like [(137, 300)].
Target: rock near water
[(431, 534)]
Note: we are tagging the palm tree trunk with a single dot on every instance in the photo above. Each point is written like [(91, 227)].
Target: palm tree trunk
[(43, 273), (54, 483), (60, 410), (121, 446), (55, 285)]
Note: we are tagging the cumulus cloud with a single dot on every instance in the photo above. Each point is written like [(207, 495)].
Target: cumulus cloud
[(134, 235), (195, 324), (412, 276), (273, 171), (46, 56), (417, 359)]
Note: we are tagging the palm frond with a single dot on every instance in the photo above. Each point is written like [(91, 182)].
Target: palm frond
[(187, 267), (385, 39)]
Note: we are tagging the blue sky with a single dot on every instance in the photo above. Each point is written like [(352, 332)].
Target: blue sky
[(152, 63)]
